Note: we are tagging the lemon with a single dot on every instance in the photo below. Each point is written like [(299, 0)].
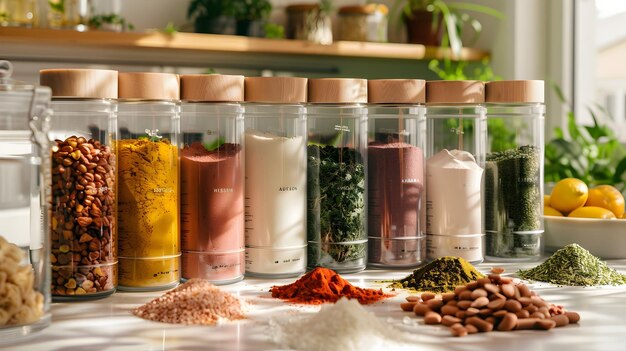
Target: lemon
[(568, 195), (549, 211), (546, 200), (608, 197), (592, 212)]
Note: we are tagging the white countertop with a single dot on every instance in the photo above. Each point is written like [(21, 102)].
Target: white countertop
[(107, 324)]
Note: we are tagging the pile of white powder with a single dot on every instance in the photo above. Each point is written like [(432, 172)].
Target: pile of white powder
[(345, 325)]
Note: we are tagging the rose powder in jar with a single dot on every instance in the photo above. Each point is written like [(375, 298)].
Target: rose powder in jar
[(212, 178), (396, 178)]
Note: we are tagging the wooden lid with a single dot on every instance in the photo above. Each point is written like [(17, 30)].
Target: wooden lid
[(398, 91), (364, 9), (80, 83), (512, 91), (302, 7), (337, 90), (211, 87), (285, 90), (149, 86), (455, 91)]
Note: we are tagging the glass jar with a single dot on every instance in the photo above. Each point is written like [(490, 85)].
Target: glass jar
[(24, 241), (336, 176), (275, 139), (363, 23), (395, 168), (212, 178), (514, 170), (18, 13), (455, 153), (148, 200), (309, 22), (83, 216), (69, 14)]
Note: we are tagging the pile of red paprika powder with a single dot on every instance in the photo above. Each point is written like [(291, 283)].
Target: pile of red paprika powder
[(325, 285)]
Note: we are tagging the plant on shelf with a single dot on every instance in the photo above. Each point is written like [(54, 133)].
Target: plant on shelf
[(110, 22), (592, 153), (438, 23), (246, 12), (274, 31), (208, 15)]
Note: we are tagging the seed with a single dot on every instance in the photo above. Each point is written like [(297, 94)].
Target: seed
[(407, 306)]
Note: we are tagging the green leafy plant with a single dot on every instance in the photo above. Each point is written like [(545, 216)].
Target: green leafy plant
[(170, 28), (57, 5), (206, 9), (250, 10), (592, 153), (112, 19), (4, 16), (454, 17), (274, 31)]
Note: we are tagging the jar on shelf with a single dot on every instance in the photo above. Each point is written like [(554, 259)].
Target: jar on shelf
[(24, 203), (69, 14), (514, 170), (395, 168), (363, 23), (455, 153), (18, 13), (212, 178), (275, 186), (148, 197), (83, 224), (309, 22), (336, 174)]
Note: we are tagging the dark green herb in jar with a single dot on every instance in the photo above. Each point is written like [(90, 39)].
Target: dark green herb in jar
[(335, 206), (513, 202), (574, 266)]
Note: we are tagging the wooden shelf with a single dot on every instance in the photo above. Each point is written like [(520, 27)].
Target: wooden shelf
[(344, 58)]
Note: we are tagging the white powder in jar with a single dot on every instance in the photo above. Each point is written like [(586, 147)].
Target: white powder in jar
[(275, 189), (345, 325)]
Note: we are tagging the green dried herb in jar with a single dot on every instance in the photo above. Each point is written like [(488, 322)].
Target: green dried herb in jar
[(513, 202), (336, 205)]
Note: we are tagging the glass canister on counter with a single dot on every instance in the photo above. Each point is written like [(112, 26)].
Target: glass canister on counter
[(24, 204), (18, 13), (395, 168), (83, 215), (455, 153), (212, 178), (148, 201), (275, 186), (514, 169), (336, 174)]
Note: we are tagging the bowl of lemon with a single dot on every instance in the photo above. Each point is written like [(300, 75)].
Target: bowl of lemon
[(593, 217)]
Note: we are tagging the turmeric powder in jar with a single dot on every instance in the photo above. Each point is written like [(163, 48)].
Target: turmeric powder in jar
[(148, 171)]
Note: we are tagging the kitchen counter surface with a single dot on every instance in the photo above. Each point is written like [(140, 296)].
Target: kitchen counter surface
[(107, 324)]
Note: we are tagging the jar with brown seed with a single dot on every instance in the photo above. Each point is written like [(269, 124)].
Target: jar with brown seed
[(83, 226)]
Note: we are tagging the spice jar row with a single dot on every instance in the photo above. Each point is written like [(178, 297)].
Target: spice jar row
[(158, 177)]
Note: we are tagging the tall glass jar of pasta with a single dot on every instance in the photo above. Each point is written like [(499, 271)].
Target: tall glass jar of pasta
[(83, 223), (24, 235), (148, 207)]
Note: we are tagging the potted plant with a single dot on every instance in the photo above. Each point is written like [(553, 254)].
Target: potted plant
[(246, 12), (438, 23), (208, 15), (110, 22)]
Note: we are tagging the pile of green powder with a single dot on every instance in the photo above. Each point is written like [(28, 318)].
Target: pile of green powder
[(441, 275), (574, 266)]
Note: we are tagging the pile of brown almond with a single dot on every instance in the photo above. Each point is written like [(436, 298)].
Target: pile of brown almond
[(492, 303)]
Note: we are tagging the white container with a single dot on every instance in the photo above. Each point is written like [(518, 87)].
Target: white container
[(275, 187), (456, 134)]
